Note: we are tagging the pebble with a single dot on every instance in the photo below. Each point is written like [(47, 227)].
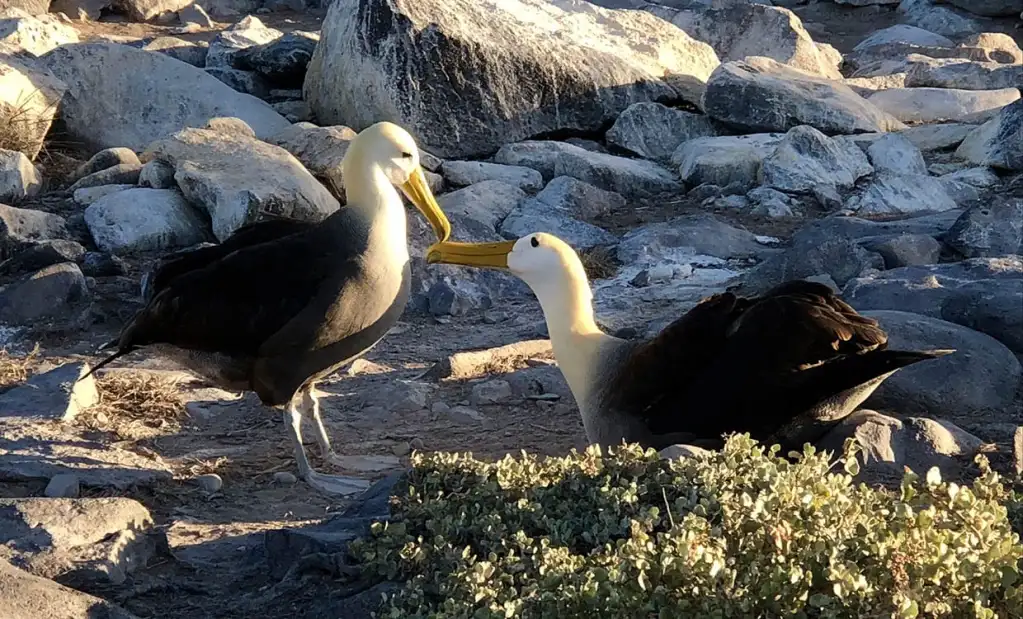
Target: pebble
[(210, 482), (284, 478), (63, 486), (417, 444), (401, 449), (491, 392), (465, 414), (439, 408)]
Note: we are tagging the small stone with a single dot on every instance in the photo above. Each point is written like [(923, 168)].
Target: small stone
[(18, 177), (105, 159), (157, 174), (401, 449), (87, 195), (284, 478), (462, 173), (121, 174), (439, 408), (63, 486), (464, 414), (418, 444), (493, 317), (210, 482), (490, 392), (59, 394), (677, 452), (101, 264)]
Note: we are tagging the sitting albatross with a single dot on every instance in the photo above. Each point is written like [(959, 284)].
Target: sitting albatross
[(281, 304), (783, 366)]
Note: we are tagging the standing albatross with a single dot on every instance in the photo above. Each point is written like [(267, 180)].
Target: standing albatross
[(280, 304), (783, 366)]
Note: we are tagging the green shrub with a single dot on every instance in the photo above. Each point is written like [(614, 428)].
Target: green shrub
[(740, 533)]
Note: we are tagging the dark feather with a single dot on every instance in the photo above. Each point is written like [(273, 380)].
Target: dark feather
[(754, 365), (287, 302), (246, 236)]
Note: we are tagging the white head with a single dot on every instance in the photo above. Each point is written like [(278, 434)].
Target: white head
[(387, 149), (547, 264)]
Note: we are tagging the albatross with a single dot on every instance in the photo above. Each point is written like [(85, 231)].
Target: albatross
[(282, 304), (783, 366)]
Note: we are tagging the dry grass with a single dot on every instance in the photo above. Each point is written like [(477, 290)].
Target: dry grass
[(16, 370), (135, 406), (58, 167), (23, 126), (599, 262)]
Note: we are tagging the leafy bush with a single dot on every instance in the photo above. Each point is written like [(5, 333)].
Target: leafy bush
[(740, 533)]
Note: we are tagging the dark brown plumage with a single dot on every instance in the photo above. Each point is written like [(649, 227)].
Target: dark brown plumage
[(783, 366)]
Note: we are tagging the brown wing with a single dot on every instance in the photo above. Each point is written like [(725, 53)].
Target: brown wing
[(734, 364)]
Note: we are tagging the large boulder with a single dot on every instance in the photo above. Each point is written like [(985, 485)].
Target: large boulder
[(121, 96), (35, 35), (748, 29), (806, 159), (963, 74), (466, 76), (760, 94), (940, 104), (990, 8), (143, 219), (25, 595), (998, 142), (239, 179), (654, 131), (981, 375)]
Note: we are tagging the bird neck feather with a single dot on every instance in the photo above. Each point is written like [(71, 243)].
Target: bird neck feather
[(370, 192), (575, 337)]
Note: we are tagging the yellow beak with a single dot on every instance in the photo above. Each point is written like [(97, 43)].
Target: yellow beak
[(418, 192), (493, 255)]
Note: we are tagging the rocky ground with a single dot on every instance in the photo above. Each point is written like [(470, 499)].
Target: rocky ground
[(683, 147)]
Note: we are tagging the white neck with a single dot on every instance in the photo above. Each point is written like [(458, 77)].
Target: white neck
[(575, 337), (369, 191)]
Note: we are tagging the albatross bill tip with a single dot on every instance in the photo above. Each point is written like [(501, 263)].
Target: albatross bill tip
[(418, 192)]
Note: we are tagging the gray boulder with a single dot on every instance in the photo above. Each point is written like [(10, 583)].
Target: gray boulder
[(902, 194), (806, 159), (963, 74), (491, 72), (937, 137), (53, 293), (889, 444), (990, 8), (724, 160), (29, 97), (19, 179), (981, 375), (896, 154), (752, 29), (21, 228), (235, 177), (654, 131), (903, 33), (282, 61), (632, 178), (760, 94), (561, 209), (121, 96), (988, 230), (26, 595), (142, 219), (999, 142), (938, 19), (905, 249), (462, 173), (940, 104)]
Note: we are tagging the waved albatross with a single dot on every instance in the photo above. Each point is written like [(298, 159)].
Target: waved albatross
[(783, 366), (281, 304)]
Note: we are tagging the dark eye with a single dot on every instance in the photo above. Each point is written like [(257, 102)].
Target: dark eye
[(406, 155), (534, 242)]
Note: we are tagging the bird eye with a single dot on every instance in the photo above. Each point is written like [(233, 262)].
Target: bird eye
[(534, 242), (406, 155)]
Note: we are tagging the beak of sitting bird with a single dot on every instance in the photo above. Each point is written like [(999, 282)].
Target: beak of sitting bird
[(417, 190), (493, 255)]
